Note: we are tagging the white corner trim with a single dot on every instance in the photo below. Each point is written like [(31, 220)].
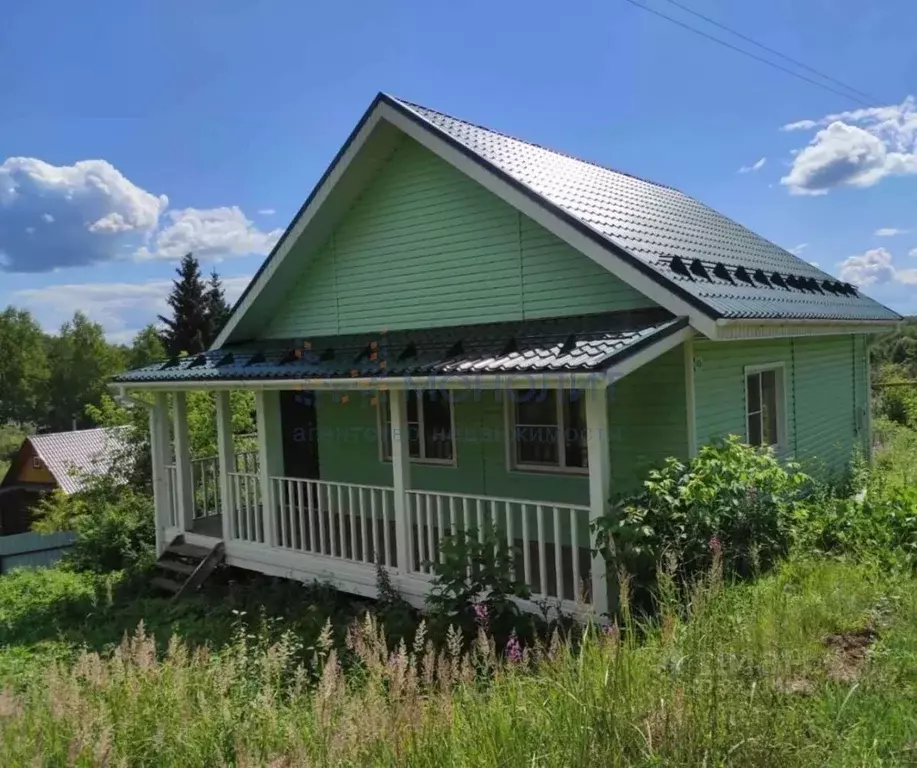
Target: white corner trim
[(690, 399)]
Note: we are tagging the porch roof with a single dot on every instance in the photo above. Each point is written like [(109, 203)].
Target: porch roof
[(582, 344)]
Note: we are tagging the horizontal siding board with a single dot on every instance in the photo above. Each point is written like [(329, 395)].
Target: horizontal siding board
[(821, 380), (826, 404), (425, 246), (647, 419)]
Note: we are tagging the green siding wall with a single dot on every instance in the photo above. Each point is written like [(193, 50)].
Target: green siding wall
[(647, 423), (425, 246), (824, 382)]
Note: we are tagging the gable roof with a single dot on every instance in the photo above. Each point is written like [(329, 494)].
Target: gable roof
[(678, 251), (73, 457)]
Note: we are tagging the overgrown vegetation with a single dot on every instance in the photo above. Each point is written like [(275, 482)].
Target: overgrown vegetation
[(763, 619)]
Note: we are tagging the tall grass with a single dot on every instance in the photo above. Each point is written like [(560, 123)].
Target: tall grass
[(742, 675)]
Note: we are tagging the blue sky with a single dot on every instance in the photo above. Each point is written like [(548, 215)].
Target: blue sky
[(127, 138)]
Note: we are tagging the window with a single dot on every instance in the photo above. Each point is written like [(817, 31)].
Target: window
[(764, 406), (549, 431), (36, 462), (430, 433)]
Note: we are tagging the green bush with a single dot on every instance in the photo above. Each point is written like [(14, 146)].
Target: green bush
[(882, 527), (475, 583), (731, 502), (115, 526)]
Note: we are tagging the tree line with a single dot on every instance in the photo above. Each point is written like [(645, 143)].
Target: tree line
[(56, 381)]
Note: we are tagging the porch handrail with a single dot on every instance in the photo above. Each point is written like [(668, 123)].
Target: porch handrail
[(345, 520), (554, 560)]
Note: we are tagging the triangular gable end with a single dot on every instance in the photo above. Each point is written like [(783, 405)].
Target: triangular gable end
[(425, 246), (378, 136)]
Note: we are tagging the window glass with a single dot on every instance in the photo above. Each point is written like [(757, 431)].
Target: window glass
[(575, 450), (762, 413), (429, 418), (437, 426), (550, 431), (769, 407), (539, 408)]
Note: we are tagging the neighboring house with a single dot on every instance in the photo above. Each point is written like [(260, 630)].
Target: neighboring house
[(461, 328), (62, 461)]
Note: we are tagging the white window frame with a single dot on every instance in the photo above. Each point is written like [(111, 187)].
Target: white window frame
[(512, 462), (782, 425), (384, 423)]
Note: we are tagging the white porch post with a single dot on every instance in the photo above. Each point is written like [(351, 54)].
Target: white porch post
[(401, 477), (159, 447), (185, 488), (225, 459), (270, 456), (599, 484)]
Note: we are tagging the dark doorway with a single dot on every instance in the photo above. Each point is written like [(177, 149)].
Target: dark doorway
[(299, 426)]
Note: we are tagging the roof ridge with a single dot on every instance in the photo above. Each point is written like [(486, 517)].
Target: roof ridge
[(415, 106)]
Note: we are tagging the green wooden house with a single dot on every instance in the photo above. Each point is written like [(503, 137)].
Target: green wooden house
[(460, 328)]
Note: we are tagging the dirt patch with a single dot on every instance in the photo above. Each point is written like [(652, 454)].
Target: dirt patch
[(848, 653)]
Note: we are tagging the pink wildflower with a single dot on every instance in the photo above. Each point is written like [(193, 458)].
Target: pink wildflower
[(513, 649), (480, 614)]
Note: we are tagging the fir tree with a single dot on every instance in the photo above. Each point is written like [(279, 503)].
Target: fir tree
[(188, 329), (217, 309)]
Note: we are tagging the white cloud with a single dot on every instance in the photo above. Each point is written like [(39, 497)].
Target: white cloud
[(99, 215), (798, 249), (212, 233), (267, 212), (756, 166), (889, 232), (875, 267), (93, 206), (858, 148), (913, 252), (121, 308), (801, 125)]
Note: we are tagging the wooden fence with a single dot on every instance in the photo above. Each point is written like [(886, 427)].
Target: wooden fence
[(33, 550)]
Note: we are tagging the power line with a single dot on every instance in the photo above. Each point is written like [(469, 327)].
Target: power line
[(751, 55), (783, 56)]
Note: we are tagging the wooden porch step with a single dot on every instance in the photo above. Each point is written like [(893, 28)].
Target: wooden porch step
[(160, 582), (183, 549), (184, 567), (178, 566)]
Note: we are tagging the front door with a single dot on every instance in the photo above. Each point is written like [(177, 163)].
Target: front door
[(300, 434)]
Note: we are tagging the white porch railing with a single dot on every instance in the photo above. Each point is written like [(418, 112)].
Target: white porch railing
[(352, 522), (246, 521), (552, 539), (356, 523), (172, 482), (247, 461), (205, 480)]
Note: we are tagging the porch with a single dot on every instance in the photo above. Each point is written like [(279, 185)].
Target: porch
[(311, 528), (371, 451)]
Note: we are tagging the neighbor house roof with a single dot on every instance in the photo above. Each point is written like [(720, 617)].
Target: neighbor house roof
[(726, 268), (558, 345), (74, 457)]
